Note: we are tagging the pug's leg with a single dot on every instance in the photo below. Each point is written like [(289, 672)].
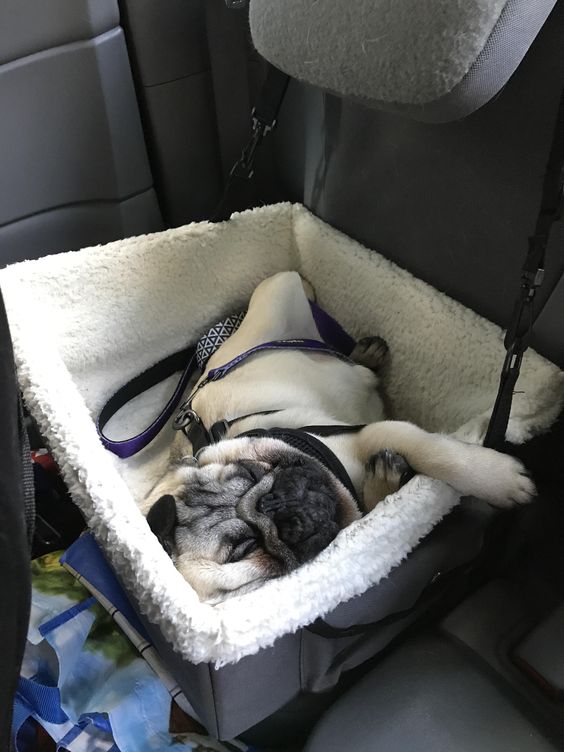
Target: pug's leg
[(386, 473), (470, 469), (371, 352)]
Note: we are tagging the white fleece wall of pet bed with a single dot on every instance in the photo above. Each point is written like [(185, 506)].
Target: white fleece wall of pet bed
[(106, 313)]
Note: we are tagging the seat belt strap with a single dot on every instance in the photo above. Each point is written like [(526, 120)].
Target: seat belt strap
[(524, 314)]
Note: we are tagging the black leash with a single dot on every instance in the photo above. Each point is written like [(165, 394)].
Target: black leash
[(524, 314)]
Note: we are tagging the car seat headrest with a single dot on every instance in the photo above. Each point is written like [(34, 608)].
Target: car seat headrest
[(433, 60)]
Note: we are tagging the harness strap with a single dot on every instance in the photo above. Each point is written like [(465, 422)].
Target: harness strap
[(524, 315), (219, 429), (199, 436), (332, 430)]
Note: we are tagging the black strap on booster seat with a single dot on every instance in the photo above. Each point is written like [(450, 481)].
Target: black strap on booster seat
[(524, 314), (229, 74), (263, 120)]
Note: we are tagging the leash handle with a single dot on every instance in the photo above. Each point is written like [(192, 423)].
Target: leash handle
[(186, 359)]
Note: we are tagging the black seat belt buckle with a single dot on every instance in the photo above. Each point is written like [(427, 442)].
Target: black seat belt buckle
[(513, 359), (532, 275), (533, 279)]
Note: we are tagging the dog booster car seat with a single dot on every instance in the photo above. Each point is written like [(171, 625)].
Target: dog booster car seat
[(110, 312)]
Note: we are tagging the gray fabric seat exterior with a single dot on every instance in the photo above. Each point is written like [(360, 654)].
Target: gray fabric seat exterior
[(427, 696)]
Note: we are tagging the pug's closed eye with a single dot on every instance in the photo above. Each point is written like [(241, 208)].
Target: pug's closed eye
[(242, 550), (255, 470)]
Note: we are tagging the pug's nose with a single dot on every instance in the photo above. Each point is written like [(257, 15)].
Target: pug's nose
[(304, 514)]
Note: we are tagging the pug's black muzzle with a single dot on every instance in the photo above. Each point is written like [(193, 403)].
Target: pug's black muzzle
[(294, 512)]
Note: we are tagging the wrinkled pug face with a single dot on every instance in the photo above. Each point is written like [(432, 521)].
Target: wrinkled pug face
[(252, 509)]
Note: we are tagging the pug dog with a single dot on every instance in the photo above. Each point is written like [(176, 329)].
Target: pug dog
[(306, 451)]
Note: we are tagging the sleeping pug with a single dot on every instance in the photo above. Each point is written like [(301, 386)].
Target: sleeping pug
[(304, 451)]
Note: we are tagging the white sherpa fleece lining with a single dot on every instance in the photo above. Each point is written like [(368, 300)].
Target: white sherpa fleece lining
[(109, 312)]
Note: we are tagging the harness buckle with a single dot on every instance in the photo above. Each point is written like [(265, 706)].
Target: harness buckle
[(184, 417)]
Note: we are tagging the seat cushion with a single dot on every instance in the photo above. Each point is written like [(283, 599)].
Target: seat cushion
[(427, 695)]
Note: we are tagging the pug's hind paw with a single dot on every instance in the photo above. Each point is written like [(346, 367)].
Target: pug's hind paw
[(371, 352)]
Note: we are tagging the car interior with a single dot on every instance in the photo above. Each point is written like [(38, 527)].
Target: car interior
[(123, 118)]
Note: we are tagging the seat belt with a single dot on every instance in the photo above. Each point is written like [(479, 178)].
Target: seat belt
[(524, 315)]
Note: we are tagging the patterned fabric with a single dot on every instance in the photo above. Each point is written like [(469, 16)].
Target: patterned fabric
[(212, 340), (84, 681)]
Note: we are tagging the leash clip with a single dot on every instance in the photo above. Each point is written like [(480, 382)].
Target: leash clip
[(184, 417)]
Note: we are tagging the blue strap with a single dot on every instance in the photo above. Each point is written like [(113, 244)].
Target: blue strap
[(62, 618), (23, 731), (43, 700), (35, 700)]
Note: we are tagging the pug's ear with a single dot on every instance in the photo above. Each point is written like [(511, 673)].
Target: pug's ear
[(162, 520)]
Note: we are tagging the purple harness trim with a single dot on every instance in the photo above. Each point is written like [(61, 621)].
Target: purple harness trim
[(336, 342)]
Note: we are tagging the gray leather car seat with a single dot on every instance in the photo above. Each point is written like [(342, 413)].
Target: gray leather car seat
[(73, 164), (430, 695)]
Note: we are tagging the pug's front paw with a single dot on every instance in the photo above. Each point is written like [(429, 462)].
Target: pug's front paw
[(386, 473)]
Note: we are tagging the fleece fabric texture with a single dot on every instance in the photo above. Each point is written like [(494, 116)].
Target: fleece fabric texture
[(107, 313), (400, 51)]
